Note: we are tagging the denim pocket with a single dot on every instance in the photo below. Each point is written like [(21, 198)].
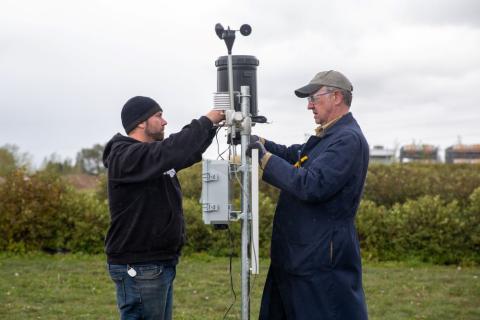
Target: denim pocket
[(148, 272), (117, 274)]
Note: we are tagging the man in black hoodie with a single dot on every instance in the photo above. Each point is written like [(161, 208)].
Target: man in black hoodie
[(147, 230)]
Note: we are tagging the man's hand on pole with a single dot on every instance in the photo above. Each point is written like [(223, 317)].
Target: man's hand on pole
[(254, 138), (256, 145), (216, 116)]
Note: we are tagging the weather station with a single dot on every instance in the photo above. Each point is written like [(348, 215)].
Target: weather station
[(237, 96)]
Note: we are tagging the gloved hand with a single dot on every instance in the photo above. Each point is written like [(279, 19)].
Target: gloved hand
[(256, 145), (254, 138)]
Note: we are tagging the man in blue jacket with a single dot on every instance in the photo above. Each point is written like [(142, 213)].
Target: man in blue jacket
[(315, 270), (147, 229)]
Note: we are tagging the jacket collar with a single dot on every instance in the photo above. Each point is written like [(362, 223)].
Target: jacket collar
[(334, 125)]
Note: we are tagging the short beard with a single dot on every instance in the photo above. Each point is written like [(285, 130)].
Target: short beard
[(156, 136)]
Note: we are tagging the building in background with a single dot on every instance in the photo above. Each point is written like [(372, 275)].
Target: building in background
[(463, 153), (381, 155), (424, 153)]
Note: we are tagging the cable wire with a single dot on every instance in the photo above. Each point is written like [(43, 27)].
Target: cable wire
[(232, 150), (218, 144), (231, 274)]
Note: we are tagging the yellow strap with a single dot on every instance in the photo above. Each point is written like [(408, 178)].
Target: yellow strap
[(298, 164)]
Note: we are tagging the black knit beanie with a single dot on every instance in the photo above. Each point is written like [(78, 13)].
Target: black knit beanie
[(137, 110)]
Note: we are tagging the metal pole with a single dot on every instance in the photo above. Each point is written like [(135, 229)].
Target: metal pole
[(254, 247), (232, 129), (230, 80), (245, 140)]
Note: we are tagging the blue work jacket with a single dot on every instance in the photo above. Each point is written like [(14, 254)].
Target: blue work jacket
[(314, 233)]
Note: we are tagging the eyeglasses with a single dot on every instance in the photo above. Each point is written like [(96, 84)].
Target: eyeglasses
[(311, 99)]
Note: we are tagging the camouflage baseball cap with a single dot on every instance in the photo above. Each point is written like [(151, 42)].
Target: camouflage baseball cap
[(330, 78)]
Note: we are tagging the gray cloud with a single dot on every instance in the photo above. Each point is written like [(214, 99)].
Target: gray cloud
[(66, 68), (440, 12)]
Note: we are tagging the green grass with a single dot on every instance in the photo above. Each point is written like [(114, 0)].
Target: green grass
[(39, 286)]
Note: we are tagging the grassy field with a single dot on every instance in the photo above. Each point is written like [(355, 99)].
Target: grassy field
[(69, 286)]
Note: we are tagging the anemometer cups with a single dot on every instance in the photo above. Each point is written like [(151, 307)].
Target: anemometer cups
[(229, 35), (245, 30)]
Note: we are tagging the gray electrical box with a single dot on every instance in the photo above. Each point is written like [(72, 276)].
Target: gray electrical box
[(216, 198)]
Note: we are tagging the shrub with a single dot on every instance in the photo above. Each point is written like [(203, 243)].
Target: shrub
[(42, 212), (31, 215), (89, 218), (397, 183), (101, 189), (191, 181), (427, 212), (374, 230), (427, 228), (432, 230), (473, 221)]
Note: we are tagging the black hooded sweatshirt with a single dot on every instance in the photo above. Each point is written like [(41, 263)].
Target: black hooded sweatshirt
[(144, 194)]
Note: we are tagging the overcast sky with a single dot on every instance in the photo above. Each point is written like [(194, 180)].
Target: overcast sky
[(67, 67)]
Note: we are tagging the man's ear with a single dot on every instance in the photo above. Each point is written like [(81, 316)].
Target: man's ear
[(142, 125), (338, 98)]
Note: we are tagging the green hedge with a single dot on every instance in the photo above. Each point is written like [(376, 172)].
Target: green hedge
[(390, 184), (428, 228), (428, 212), (43, 212)]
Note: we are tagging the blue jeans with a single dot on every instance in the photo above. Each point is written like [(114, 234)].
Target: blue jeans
[(147, 295)]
